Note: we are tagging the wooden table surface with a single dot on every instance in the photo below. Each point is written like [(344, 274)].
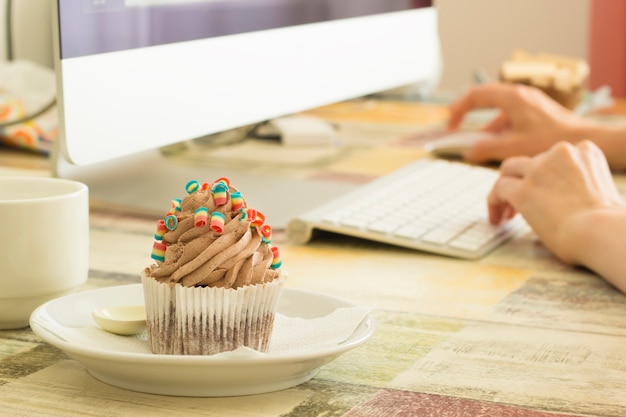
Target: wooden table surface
[(516, 333)]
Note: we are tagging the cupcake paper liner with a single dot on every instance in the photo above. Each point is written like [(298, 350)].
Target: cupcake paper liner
[(208, 320)]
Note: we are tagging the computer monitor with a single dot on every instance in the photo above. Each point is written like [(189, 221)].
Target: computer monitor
[(136, 75)]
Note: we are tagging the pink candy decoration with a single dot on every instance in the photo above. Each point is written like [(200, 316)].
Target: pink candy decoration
[(266, 233), (259, 219)]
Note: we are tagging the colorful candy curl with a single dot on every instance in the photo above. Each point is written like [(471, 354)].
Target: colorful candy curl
[(276, 261), (177, 204), (158, 251), (160, 230), (258, 220), (200, 216), (266, 233), (224, 180), (249, 214), (170, 222), (219, 193), (192, 186), (236, 200), (218, 220)]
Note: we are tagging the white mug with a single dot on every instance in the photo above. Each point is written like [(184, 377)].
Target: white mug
[(44, 243)]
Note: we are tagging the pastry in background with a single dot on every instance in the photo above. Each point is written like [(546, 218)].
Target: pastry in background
[(561, 77)]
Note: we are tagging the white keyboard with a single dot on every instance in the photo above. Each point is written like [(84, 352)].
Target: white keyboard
[(435, 206)]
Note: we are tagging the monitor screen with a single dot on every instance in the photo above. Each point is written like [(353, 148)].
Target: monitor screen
[(96, 27), (136, 75)]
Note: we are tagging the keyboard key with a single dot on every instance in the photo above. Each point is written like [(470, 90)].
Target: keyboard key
[(411, 231)]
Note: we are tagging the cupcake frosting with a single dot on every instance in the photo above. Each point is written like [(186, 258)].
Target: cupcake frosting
[(211, 238)]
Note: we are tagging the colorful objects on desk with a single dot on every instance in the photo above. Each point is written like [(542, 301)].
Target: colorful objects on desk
[(35, 134)]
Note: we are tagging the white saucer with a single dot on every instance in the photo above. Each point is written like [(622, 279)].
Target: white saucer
[(118, 363)]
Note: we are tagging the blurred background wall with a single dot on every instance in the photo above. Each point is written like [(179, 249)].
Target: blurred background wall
[(480, 34), (476, 35)]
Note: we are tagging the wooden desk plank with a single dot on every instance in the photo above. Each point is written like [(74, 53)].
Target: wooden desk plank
[(559, 371), (400, 280)]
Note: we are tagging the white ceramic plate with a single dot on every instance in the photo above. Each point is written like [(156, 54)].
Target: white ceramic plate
[(119, 364)]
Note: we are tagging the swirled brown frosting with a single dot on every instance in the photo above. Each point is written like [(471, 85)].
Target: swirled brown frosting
[(211, 238)]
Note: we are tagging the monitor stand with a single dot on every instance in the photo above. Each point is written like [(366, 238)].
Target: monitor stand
[(146, 183)]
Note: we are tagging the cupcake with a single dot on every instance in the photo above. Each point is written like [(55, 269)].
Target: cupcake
[(216, 279)]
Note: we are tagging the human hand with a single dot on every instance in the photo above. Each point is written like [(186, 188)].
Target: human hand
[(558, 192), (529, 121)]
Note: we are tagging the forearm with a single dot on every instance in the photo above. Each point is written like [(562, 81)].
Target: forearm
[(601, 245)]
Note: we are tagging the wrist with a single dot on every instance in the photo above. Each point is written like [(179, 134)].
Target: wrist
[(593, 238), (610, 139)]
